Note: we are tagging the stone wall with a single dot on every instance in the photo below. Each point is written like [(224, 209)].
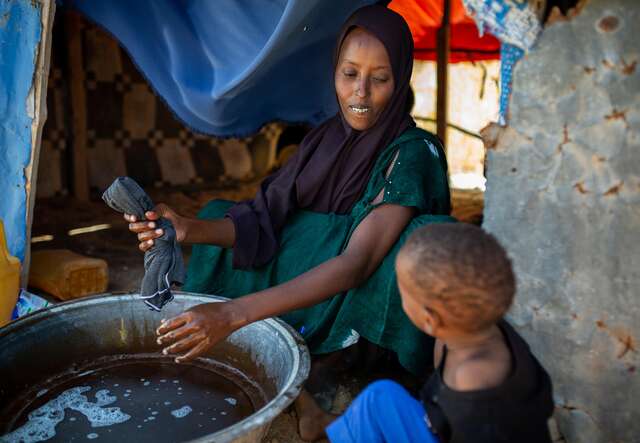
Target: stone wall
[(563, 196)]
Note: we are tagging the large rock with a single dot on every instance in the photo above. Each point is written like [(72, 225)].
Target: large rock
[(563, 197)]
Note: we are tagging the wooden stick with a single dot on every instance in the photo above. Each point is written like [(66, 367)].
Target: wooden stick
[(73, 31), (39, 86), (443, 64)]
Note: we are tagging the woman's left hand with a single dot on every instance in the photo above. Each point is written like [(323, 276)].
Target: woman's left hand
[(197, 330)]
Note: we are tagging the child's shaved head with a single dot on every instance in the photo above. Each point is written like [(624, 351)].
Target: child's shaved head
[(463, 267)]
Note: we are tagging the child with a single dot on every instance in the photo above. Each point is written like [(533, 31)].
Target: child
[(456, 285)]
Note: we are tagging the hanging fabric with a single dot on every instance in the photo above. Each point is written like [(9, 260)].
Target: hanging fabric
[(227, 67), (517, 24)]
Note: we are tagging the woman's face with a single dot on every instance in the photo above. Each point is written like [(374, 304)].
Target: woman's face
[(363, 79)]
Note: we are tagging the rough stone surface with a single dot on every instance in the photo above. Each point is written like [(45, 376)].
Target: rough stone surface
[(563, 197)]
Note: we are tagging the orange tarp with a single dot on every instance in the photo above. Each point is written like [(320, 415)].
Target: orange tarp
[(424, 18)]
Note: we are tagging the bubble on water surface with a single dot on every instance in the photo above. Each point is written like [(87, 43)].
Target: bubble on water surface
[(104, 398), (42, 422), (182, 412)]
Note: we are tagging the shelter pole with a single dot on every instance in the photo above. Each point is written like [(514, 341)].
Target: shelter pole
[(73, 31), (39, 86), (443, 64)]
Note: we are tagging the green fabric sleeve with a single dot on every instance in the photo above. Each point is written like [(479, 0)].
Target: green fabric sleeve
[(419, 177)]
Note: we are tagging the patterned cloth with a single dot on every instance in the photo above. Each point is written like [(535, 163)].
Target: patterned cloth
[(133, 130), (163, 263), (374, 309), (509, 56), (516, 23)]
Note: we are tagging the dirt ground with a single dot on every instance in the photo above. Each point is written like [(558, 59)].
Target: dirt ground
[(115, 244)]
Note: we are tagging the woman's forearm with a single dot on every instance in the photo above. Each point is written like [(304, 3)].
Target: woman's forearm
[(369, 244), (320, 283), (206, 324), (219, 232)]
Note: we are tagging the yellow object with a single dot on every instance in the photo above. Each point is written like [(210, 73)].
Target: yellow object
[(66, 275), (9, 280)]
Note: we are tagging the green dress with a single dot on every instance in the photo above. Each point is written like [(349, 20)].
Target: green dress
[(372, 310)]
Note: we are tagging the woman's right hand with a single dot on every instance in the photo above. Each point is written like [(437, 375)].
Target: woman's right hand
[(195, 331), (148, 230)]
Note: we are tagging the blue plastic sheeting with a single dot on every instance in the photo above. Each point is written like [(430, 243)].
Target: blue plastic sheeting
[(20, 32), (226, 67)]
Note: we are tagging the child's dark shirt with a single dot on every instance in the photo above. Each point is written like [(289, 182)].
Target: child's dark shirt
[(515, 411)]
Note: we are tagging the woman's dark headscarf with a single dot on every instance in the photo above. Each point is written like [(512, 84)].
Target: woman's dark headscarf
[(334, 161)]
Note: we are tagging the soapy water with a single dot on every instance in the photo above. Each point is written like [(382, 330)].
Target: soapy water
[(104, 398), (42, 422), (182, 412), (143, 401)]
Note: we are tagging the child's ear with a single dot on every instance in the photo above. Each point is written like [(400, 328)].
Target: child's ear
[(431, 321)]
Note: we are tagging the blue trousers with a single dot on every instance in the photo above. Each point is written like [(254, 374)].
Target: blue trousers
[(383, 412)]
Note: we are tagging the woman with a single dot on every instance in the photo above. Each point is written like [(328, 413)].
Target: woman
[(316, 245)]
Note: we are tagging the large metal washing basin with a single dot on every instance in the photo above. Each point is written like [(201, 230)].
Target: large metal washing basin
[(71, 336)]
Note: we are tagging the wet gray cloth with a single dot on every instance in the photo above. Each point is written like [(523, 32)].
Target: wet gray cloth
[(163, 263)]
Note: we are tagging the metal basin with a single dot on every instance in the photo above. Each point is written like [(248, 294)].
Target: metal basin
[(36, 349)]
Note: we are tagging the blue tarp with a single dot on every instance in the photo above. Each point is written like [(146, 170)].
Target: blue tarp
[(226, 67), (20, 31)]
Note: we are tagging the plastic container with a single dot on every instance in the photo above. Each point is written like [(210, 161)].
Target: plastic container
[(66, 274), (28, 303), (9, 280)]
